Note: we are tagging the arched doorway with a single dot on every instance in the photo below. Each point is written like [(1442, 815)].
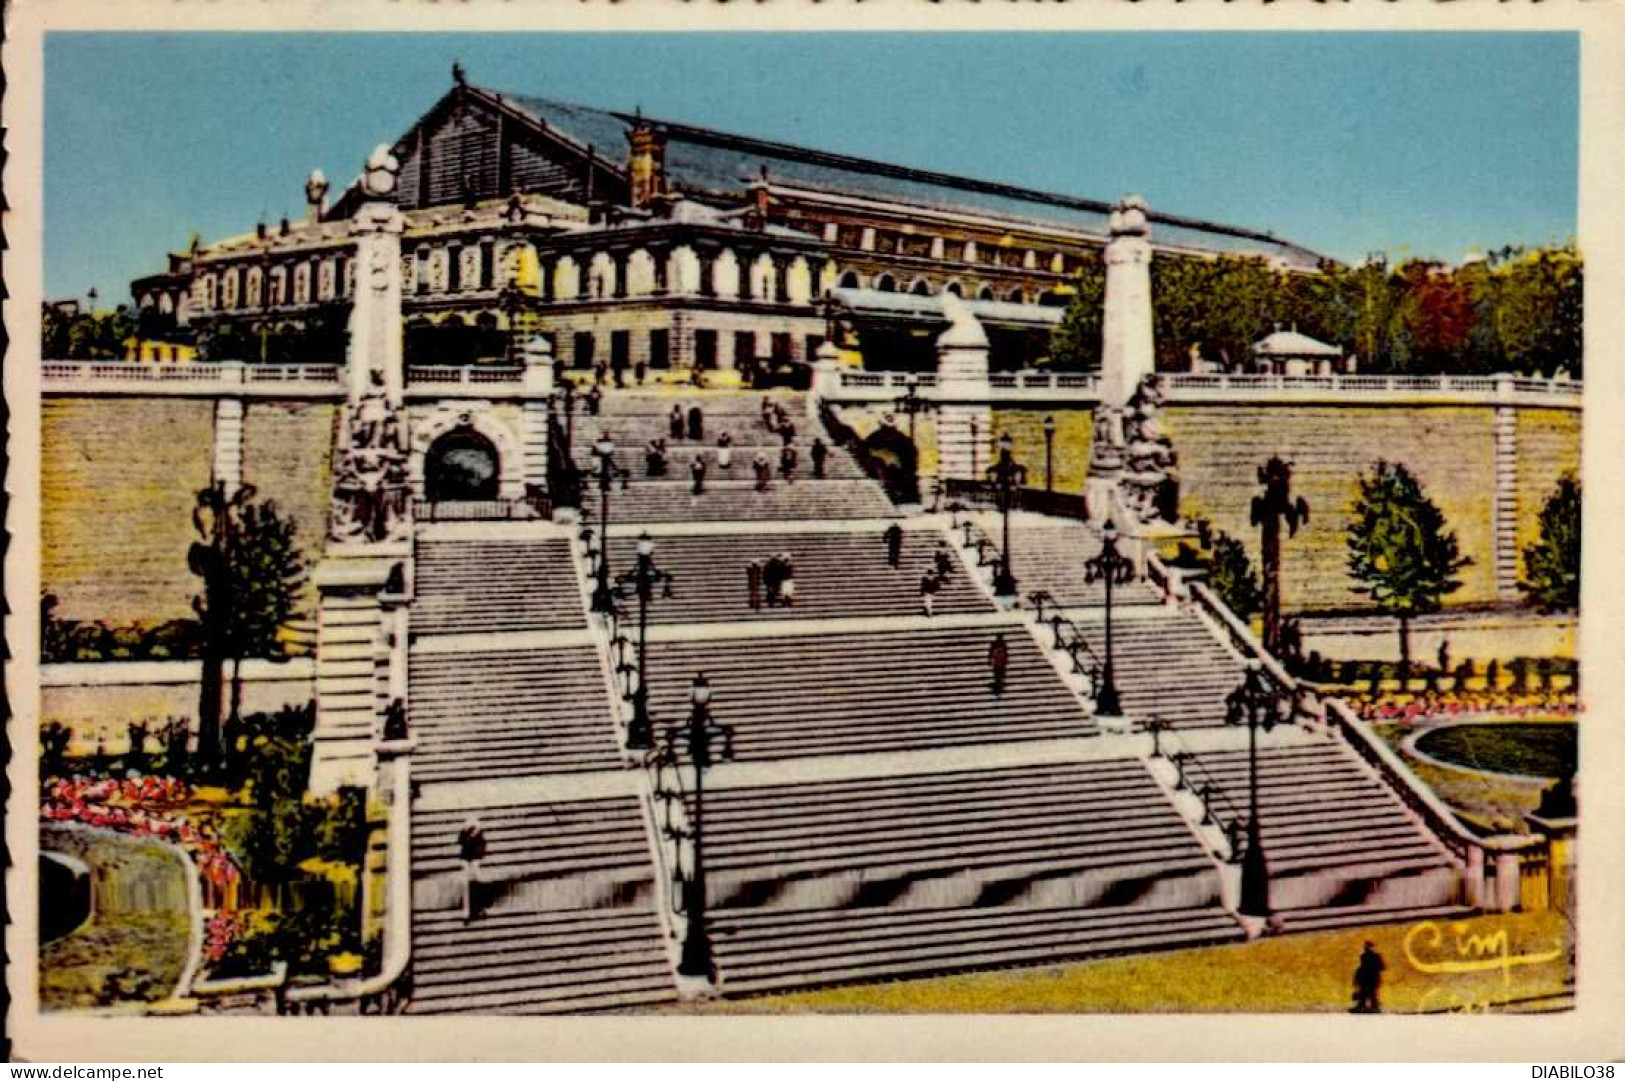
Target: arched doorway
[(461, 466)]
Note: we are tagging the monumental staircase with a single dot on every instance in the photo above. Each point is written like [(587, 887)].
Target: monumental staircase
[(888, 812)]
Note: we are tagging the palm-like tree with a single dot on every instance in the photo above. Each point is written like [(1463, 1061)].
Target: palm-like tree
[(1271, 507)]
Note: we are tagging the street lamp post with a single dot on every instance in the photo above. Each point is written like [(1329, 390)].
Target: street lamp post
[(603, 598), (1257, 703), (1112, 568), (640, 581), (1007, 476), (1049, 454), (912, 404), (700, 739)]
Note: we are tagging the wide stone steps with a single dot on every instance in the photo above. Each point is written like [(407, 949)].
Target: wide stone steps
[(834, 694), (539, 962), (674, 501), (837, 575), (838, 465), (1072, 833), (512, 713), (1331, 918), (1336, 838), (1050, 558), (1169, 666), (603, 839), (471, 586), (771, 950)]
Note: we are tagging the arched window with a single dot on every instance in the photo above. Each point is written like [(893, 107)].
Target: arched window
[(985, 293), (1017, 296), (850, 280), (886, 284), (920, 288), (461, 466), (955, 288)]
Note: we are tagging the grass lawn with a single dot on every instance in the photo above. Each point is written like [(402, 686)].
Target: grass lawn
[(1539, 750), (134, 946), (1292, 974)]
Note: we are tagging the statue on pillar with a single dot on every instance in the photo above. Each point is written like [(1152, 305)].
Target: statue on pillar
[(1150, 480), (371, 488)]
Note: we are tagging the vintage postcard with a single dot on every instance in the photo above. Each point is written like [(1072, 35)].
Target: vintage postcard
[(553, 538)]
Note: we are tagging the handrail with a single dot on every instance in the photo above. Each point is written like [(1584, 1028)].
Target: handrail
[(398, 931), (1188, 757)]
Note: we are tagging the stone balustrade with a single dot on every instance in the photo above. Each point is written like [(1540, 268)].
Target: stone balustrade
[(1040, 386)]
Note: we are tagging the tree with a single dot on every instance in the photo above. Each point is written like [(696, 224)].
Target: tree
[(1233, 578), (1552, 564), (251, 573), (1075, 345), (1400, 552), (267, 570)]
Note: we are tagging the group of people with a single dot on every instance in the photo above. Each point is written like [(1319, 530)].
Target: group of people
[(773, 580), (936, 575), (690, 425)]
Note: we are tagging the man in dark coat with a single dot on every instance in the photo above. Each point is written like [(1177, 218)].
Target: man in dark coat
[(787, 463), (820, 454), (929, 585), (639, 370), (676, 422), (764, 472), (894, 545), (787, 432), (595, 398), (944, 560), (1368, 980), (998, 659), (753, 583), (696, 469), (772, 578), (696, 422), (471, 849)]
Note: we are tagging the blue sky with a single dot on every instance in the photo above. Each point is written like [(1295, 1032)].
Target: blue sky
[(1415, 144)]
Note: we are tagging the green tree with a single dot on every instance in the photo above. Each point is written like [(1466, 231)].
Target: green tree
[(1232, 576), (1552, 564), (1075, 345), (266, 570), (1400, 552)]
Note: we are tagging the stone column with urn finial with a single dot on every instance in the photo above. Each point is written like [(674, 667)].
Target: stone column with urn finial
[(364, 578)]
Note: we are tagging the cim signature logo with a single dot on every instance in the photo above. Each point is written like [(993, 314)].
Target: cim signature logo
[(1456, 949)]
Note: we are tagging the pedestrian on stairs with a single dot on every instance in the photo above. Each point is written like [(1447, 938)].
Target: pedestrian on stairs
[(787, 580), (1368, 980), (787, 463), (998, 659), (929, 585), (764, 472), (595, 399), (676, 422), (772, 578), (653, 460), (944, 560), (894, 545), (696, 469), (639, 371), (696, 423), (753, 579), (725, 450), (599, 371), (787, 431), (471, 850), (820, 454)]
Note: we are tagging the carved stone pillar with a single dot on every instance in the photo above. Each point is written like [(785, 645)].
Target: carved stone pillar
[(965, 417)]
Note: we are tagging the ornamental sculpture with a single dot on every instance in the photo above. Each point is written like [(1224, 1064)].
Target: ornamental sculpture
[(1150, 479), (371, 487)]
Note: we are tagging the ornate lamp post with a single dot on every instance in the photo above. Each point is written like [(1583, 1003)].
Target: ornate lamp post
[(1112, 568), (603, 598), (1257, 703), (700, 739), (640, 581), (1007, 476), (1049, 454), (912, 404)]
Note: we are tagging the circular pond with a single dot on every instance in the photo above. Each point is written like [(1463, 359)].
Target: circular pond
[(1530, 750)]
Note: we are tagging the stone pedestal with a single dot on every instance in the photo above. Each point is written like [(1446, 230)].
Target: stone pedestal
[(538, 357), (360, 659), (965, 417)]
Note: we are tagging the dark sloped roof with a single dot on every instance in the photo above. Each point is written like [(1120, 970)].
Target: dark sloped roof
[(701, 160)]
